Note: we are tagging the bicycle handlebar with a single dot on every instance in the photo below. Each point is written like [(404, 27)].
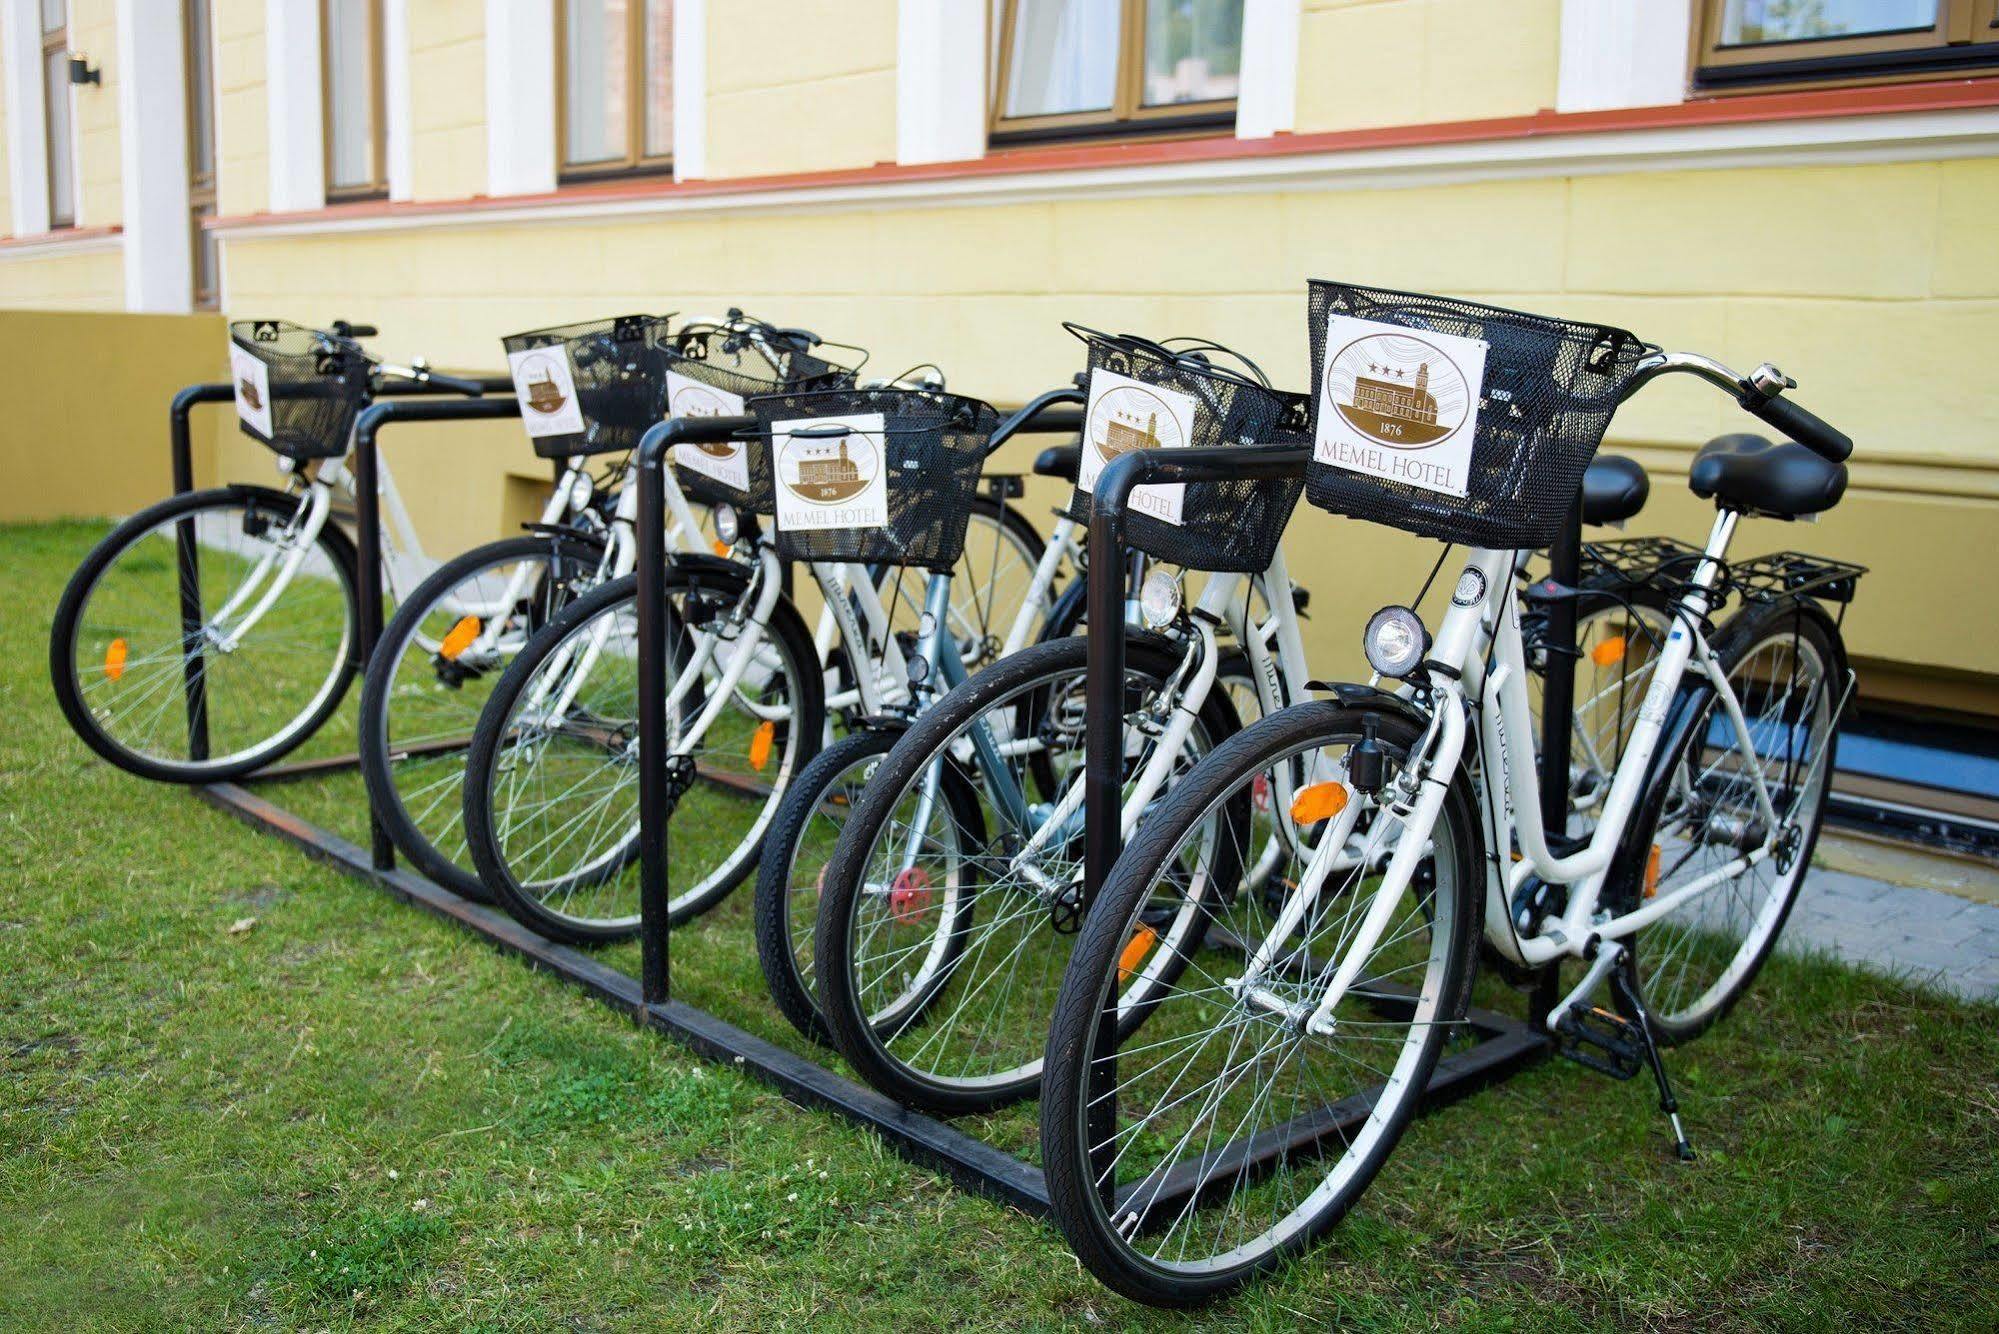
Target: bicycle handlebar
[(1800, 424), (346, 330), (457, 384), (1759, 393)]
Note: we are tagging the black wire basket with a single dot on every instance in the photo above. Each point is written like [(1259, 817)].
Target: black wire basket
[(1232, 526), (745, 365), (1547, 394), (314, 386), (616, 367), (932, 446)]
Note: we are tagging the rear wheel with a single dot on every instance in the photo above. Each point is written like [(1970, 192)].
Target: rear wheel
[(1220, 1133), (131, 645), (1788, 671)]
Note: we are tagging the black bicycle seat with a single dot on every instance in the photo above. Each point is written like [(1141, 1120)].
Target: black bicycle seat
[(1614, 489), (1748, 472), (1059, 461)]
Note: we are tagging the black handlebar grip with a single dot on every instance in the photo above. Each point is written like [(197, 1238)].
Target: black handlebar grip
[(346, 330), (1802, 425), (469, 388), (803, 337)]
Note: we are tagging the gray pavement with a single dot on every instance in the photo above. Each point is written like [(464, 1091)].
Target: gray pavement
[(1934, 938)]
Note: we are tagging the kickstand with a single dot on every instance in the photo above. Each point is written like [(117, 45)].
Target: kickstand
[(1623, 982)]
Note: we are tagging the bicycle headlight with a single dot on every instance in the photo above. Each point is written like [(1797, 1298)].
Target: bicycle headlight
[(1159, 599), (1395, 641), (580, 493), (728, 526)]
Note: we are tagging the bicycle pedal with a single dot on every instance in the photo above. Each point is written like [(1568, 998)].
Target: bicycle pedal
[(1602, 1041)]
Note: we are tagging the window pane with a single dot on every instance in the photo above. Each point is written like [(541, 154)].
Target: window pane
[(54, 12), (1754, 22), (659, 78), (200, 92), (1193, 50), (595, 67), (1064, 57), (350, 74), (62, 174), (207, 267)]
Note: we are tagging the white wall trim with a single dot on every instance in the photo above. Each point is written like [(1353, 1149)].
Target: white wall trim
[(152, 137), (690, 90), (940, 80), (1267, 102), (1622, 53), (397, 132), (1925, 136), (296, 102), (520, 97), (27, 135), (64, 242)]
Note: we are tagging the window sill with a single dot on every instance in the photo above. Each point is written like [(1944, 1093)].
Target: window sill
[(62, 239)]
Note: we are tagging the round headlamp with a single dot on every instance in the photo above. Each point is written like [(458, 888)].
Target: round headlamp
[(1395, 641), (1159, 599), (581, 491), (728, 525), (918, 668)]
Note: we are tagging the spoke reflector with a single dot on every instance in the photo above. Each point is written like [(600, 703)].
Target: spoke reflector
[(1609, 653), (910, 896), (1320, 801), (1134, 951), (114, 659), (1652, 872), (459, 638), (760, 744)]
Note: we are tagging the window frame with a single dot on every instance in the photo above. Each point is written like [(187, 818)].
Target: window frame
[(201, 187), (1964, 39), (635, 161), (1127, 115), (56, 40), (377, 186)]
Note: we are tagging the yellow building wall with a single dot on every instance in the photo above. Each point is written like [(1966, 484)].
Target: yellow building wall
[(242, 133), (1867, 275), (1365, 63), (92, 279), (6, 177), (93, 32), (447, 98), (805, 86)]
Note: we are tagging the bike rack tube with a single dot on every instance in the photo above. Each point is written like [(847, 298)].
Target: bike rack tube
[(1103, 681)]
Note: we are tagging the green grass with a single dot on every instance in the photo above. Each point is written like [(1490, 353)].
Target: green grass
[(351, 1112)]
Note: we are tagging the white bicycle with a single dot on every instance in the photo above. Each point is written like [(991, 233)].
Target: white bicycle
[(1251, 1100)]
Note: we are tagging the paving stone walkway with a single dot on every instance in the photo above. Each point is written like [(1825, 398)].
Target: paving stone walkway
[(1932, 937)]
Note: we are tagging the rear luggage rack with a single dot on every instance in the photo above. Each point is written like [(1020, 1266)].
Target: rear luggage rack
[(1783, 574)]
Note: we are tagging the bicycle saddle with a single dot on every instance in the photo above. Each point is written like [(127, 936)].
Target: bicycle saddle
[(1059, 461), (1747, 472), (1614, 489)]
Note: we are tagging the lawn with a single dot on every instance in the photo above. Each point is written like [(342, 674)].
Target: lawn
[(347, 1111)]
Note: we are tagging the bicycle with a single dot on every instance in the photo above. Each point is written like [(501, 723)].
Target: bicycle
[(1230, 1120), (212, 633)]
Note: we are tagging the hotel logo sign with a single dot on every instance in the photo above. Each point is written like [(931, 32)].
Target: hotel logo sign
[(1399, 404)]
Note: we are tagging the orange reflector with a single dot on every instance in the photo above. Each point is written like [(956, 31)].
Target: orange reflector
[(1652, 872), (114, 659), (1134, 951), (1609, 653), (721, 548), (1320, 801), (459, 638), (760, 744)]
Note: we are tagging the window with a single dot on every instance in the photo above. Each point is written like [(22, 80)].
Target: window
[(1747, 43), (614, 85), (55, 114), (1066, 68), (350, 34), (197, 37)]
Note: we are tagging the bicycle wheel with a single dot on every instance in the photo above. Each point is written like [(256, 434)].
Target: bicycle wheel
[(1788, 670), (432, 673), (551, 781), (1219, 1134), (989, 583), (791, 875), (267, 660), (986, 969), (1617, 646)]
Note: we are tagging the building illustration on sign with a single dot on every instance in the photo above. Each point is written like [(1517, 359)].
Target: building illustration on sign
[(829, 478), (544, 395), (1122, 435), (1391, 410), (247, 390)]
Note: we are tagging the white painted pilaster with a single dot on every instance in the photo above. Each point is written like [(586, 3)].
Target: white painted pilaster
[(1267, 102), (152, 137), (520, 97), (690, 90), (1622, 53), (940, 80), (296, 105), (396, 97), (27, 134)]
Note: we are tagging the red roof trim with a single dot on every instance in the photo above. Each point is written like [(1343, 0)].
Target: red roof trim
[(1961, 94), (57, 236)]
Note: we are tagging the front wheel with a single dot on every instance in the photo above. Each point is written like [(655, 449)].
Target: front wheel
[(1701, 817), (1224, 1130), (208, 635)]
